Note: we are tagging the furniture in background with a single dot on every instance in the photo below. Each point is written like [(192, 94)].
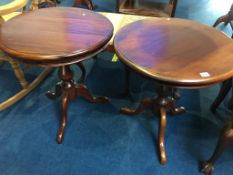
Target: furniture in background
[(87, 3), (225, 18), (225, 139), (37, 4), (145, 8), (160, 49), (65, 36), (166, 8), (120, 20), (10, 9), (226, 136), (7, 12), (226, 85)]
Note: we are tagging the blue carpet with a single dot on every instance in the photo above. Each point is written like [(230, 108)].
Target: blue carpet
[(98, 139)]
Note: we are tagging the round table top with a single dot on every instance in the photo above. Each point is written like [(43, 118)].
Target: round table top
[(55, 36), (176, 52)]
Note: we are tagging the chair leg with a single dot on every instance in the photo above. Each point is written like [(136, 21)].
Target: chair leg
[(87, 3), (225, 18), (225, 139), (127, 79), (174, 4), (230, 103), (18, 73), (10, 101), (226, 86), (175, 93)]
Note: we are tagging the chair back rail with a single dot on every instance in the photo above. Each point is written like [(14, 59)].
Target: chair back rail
[(12, 6)]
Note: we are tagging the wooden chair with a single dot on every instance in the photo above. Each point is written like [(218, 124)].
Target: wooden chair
[(226, 136), (7, 12), (145, 8), (226, 85)]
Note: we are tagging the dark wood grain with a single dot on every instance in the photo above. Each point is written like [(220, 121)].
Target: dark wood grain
[(58, 37), (176, 52), (69, 90), (55, 35)]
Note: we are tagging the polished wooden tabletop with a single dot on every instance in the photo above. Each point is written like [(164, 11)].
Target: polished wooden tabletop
[(176, 52), (55, 36)]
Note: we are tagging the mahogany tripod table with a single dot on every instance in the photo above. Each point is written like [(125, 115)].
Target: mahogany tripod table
[(174, 53), (58, 37)]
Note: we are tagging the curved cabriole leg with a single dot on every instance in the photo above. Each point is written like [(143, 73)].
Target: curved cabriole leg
[(226, 86), (81, 90), (69, 91), (225, 18), (144, 104), (65, 88), (166, 99), (63, 122), (162, 126), (175, 110), (175, 93), (159, 105), (221, 19), (57, 93), (83, 70), (225, 139)]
